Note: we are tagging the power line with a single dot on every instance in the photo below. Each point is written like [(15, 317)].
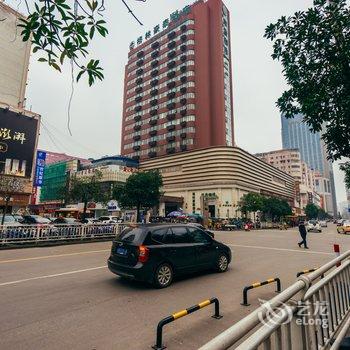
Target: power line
[(70, 139), (60, 148)]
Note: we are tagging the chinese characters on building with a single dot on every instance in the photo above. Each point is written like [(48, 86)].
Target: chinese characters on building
[(39, 170), (8, 134), (175, 16)]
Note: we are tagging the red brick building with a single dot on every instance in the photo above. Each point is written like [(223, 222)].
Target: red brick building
[(177, 89)]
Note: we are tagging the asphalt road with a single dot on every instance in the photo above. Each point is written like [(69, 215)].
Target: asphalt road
[(65, 297)]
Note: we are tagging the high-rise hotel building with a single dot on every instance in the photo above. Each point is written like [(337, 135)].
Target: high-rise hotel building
[(177, 88)]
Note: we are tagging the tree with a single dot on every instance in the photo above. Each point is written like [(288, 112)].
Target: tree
[(86, 189), (314, 49), (322, 215), (141, 190), (346, 168), (61, 29), (251, 203), (9, 185), (276, 208), (311, 211)]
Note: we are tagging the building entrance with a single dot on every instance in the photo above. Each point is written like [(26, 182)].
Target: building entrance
[(211, 209)]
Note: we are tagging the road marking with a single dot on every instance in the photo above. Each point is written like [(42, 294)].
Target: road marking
[(279, 249), (54, 256), (51, 276)]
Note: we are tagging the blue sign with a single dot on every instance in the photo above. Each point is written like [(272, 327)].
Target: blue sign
[(39, 169)]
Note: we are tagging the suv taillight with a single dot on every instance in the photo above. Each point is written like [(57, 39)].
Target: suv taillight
[(143, 253)]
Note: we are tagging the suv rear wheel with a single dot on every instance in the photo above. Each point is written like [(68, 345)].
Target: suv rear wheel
[(222, 263), (163, 276)]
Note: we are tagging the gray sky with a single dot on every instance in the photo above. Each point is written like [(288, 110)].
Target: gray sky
[(96, 112)]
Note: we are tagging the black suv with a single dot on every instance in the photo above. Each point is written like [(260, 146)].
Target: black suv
[(156, 252)]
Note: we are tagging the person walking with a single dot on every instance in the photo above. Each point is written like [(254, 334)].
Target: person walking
[(303, 233)]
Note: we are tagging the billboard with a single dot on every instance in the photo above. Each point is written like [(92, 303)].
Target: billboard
[(18, 136), (39, 169), (14, 58)]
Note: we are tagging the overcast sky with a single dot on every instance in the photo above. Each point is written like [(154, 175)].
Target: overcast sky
[(96, 112)]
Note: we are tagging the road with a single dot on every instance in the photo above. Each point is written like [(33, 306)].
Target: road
[(65, 297)]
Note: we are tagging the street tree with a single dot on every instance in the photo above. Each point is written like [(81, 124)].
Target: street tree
[(64, 29), (311, 211), (276, 208), (251, 203), (9, 185), (345, 167), (86, 189), (313, 47), (141, 191), (322, 214)]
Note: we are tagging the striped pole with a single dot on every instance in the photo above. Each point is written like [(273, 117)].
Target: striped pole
[(182, 313), (308, 271), (259, 284)]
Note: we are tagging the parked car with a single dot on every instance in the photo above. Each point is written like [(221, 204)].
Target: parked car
[(210, 233), (10, 220), (110, 219), (313, 225), (344, 228), (90, 221), (35, 220), (156, 253), (65, 221), (323, 223), (340, 222), (17, 217)]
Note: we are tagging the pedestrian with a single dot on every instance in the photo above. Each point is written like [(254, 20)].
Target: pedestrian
[(303, 233)]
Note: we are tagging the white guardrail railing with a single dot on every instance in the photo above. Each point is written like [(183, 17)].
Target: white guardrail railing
[(38, 233), (311, 314)]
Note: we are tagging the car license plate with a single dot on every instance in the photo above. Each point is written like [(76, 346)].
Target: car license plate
[(121, 251)]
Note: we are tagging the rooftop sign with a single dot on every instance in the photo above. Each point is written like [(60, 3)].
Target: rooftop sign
[(175, 16)]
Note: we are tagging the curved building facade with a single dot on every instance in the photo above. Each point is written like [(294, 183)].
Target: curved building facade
[(216, 178)]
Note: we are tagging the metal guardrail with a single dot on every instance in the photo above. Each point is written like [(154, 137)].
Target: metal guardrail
[(38, 233), (281, 322)]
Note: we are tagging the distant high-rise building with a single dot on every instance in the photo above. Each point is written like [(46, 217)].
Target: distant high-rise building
[(178, 86), (296, 134)]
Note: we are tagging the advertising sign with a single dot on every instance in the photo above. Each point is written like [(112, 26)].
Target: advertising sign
[(39, 170), (113, 205), (18, 135)]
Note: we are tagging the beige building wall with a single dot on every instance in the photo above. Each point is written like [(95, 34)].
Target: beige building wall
[(289, 161), (221, 175), (14, 58)]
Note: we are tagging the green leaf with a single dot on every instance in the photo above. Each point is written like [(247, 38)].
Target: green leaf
[(63, 55), (92, 31), (80, 74), (56, 66)]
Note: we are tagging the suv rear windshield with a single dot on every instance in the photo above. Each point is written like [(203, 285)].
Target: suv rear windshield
[(131, 235)]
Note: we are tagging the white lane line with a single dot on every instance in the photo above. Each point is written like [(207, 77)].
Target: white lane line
[(51, 276), (54, 256), (279, 249)]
